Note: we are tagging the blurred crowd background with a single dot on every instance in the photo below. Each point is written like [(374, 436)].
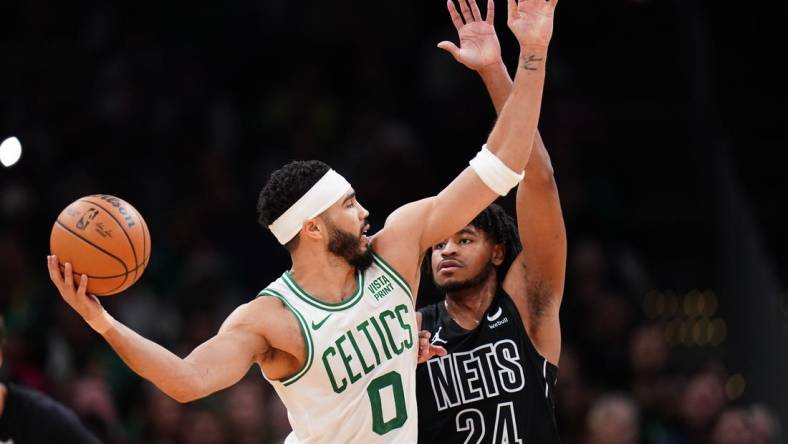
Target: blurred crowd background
[(664, 119)]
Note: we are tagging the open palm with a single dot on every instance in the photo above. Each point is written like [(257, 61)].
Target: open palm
[(531, 21), (479, 45)]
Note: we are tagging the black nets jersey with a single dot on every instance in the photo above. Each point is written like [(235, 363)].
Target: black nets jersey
[(492, 387)]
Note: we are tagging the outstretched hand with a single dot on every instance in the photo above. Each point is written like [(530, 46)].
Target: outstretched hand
[(479, 47), (426, 350), (531, 21), (85, 304)]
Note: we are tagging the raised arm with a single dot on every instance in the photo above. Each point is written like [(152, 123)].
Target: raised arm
[(479, 48), (216, 364), (410, 230), (536, 278)]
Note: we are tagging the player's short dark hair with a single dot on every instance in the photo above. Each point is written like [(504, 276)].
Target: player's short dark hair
[(500, 228), (285, 186)]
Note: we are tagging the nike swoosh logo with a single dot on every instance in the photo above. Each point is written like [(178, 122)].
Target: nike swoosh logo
[(320, 324), (495, 316)]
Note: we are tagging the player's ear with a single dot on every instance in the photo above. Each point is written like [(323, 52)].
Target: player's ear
[(498, 254), (313, 229)]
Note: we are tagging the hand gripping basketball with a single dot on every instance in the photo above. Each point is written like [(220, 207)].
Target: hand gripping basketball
[(85, 304), (105, 238)]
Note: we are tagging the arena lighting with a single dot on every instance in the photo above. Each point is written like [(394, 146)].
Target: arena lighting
[(10, 151)]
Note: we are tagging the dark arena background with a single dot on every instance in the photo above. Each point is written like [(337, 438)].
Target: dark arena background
[(665, 121)]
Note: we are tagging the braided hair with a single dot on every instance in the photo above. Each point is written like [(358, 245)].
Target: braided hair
[(500, 228)]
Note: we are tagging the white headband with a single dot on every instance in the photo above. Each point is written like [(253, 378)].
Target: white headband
[(322, 195)]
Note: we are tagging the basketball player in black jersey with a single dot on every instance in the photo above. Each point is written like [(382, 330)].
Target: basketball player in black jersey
[(503, 284)]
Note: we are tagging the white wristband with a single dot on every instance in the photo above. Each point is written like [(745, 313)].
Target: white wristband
[(494, 173), (101, 323)]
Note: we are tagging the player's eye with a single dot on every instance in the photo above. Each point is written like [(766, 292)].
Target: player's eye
[(440, 246), (465, 241)]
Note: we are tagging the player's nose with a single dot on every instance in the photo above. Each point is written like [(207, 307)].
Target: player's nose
[(363, 214), (450, 249)]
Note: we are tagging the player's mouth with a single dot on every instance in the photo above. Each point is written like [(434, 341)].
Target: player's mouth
[(364, 231), (448, 265)]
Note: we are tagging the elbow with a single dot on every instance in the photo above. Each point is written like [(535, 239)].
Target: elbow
[(183, 393), (183, 397), (542, 177)]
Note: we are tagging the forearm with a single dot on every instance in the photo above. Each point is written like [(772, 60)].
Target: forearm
[(539, 169), (171, 374), (541, 223), (519, 117), (498, 84)]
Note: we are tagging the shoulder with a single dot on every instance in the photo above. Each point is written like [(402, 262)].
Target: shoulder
[(254, 315)]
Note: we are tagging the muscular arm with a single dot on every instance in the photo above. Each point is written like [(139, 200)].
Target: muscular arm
[(410, 230), (536, 278), (214, 365)]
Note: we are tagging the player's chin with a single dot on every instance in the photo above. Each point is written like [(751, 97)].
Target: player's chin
[(443, 281)]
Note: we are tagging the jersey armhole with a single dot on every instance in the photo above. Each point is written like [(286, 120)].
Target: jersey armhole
[(268, 292), (388, 269)]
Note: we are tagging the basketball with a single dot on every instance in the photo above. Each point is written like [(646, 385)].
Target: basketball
[(105, 238)]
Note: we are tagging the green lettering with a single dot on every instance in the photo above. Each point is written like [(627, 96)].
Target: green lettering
[(373, 346), (409, 342), (380, 335), (346, 360), (393, 345), (358, 353), (330, 350)]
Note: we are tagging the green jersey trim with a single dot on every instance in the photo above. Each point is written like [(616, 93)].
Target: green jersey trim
[(393, 274), (304, 332), (313, 301)]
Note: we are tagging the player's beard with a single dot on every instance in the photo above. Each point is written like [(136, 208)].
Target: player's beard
[(473, 282), (348, 246)]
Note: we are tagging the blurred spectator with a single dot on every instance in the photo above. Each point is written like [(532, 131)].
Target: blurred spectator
[(702, 401), (613, 419), (29, 417)]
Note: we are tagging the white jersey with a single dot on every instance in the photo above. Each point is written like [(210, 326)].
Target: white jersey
[(358, 382)]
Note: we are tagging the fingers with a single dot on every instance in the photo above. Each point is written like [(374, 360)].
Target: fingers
[(512, 9), (54, 271), (477, 15), (68, 277), (466, 11), (455, 16), (83, 285), (490, 12), (452, 49), (437, 350), (424, 346)]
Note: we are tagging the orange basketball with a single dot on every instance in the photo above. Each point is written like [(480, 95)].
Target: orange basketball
[(105, 238)]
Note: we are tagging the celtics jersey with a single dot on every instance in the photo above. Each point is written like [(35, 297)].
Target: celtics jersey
[(357, 384)]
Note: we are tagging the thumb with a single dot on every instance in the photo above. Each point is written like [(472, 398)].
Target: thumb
[(451, 48)]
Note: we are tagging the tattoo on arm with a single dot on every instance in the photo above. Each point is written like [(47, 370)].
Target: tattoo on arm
[(529, 62)]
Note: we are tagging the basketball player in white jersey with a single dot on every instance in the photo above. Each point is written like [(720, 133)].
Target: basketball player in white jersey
[(336, 334)]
